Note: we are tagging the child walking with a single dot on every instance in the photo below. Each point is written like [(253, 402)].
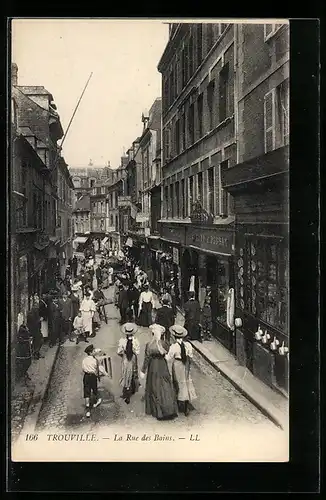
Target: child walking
[(79, 328), (90, 367)]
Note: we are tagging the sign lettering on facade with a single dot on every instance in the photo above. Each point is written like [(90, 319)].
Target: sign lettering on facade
[(210, 240), (175, 253)]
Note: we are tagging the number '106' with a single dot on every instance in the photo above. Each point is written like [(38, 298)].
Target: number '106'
[(31, 437)]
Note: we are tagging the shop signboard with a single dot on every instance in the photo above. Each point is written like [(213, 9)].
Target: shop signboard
[(214, 240), (175, 254), (171, 233)]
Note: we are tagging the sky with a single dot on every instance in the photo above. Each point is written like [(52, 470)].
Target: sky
[(123, 55)]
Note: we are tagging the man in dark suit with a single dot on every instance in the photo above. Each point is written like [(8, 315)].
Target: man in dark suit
[(192, 317), (165, 317), (123, 304), (65, 305)]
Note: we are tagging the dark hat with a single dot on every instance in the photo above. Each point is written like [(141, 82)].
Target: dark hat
[(89, 349)]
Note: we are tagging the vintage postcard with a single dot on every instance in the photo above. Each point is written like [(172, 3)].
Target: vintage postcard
[(149, 240)]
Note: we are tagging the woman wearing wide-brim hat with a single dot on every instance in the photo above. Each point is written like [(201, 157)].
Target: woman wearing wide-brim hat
[(181, 353), (160, 398), (128, 349)]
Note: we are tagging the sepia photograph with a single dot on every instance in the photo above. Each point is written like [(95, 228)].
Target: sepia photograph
[(149, 240)]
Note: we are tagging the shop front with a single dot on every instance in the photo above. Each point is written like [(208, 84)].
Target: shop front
[(262, 265), (154, 245), (173, 238), (208, 261)]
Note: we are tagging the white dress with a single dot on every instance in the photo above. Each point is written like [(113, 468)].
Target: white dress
[(88, 309), (181, 371)]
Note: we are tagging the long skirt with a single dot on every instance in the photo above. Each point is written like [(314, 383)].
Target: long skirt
[(129, 376), (145, 317), (88, 321), (23, 358), (193, 330), (45, 328), (160, 398), (182, 381)]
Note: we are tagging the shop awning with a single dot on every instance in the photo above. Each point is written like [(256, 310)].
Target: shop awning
[(80, 239)]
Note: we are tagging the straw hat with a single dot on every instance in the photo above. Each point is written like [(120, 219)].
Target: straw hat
[(178, 331), (155, 327), (129, 328)]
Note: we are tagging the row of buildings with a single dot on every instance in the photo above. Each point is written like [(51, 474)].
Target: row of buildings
[(41, 198), (203, 191)]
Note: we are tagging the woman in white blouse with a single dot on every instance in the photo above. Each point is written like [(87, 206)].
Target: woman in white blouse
[(180, 353), (88, 309), (129, 349), (146, 306)]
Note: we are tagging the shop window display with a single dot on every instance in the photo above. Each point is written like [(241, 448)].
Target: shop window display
[(222, 290), (265, 292)]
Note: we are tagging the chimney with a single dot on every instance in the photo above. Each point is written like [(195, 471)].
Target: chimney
[(14, 74)]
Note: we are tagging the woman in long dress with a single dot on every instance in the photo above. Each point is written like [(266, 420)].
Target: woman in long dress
[(129, 349), (88, 309), (23, 352), (145, 307), (160, 398), (181, 353), (44, 315)]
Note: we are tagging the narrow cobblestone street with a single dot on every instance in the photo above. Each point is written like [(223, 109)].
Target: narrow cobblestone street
[(63, 408)]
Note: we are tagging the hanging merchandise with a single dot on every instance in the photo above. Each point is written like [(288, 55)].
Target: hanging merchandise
[(192, 284), (230, 309), (274, 344), (259, 333), (265, 338)]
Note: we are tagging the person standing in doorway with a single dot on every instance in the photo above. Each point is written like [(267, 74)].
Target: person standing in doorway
[(44, 316), (206, 319), (55, 321), (34, 326), (192, 317)]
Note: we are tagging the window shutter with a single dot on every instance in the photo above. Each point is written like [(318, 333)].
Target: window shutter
[(268, 30), (269, 120)]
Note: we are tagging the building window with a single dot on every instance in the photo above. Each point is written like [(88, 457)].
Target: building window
[(223, 92), (209, 36), (283, 105), (177, 199), (200, 191), (191, 192), (270, 30), (191, 124), (172, 201), (191, 55), (224, 195), (200, 115), (210, 104), (199, 43), (166, 201), (183, 67), (183, 199), (177, 137), (211, 190), (183, 132)]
